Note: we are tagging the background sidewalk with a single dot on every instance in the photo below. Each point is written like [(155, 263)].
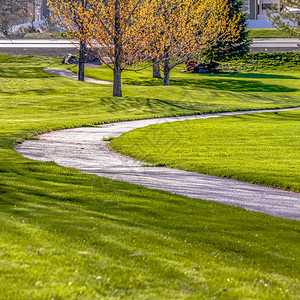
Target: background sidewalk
[(60, 47)]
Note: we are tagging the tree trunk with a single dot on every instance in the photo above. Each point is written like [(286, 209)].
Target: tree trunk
[(82, 52), (117, 90), (167, 71), (156, 68), (117, 83), (5, 32)]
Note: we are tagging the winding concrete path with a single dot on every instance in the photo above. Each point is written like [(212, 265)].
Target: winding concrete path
[(83, 149)]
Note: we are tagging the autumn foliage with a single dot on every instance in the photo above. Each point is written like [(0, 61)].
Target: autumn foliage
[(121, 30), (185, 27), (128, 32), (76, 18)]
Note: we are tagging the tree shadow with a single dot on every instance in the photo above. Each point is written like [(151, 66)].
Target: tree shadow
[(221, 81), (233, 85), (25, 72), (274, 117), (137, 211), (33, 92), (143, 81), (247, 75)]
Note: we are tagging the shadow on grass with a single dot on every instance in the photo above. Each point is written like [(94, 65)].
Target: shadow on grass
[(27, 59), (226, 82), (233, 85), (271, 117), (87, 202), (25, 72), (34, 92), (147, 81), (250, 75)]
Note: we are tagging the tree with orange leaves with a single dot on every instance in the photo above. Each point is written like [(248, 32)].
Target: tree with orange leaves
[(185, 27), (121, 31), (75, 17), (128, 32)]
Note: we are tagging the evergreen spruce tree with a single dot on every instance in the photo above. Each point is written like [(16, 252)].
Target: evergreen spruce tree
[(240, 47)]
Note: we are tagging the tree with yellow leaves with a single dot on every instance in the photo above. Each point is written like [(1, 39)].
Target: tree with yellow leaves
[(185, 27), (128, 32), (121, 31), (76, 17)]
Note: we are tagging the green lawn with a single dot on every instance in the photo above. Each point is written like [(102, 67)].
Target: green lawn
[(263, 62), (260, 148), (258, 65), (67, 235), (267, 33)]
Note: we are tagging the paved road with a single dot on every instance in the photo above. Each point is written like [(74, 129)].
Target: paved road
[(60, 47), (37, 43), (275, 43), (83, 149), (271, 45), (51, 47), (64, 43)]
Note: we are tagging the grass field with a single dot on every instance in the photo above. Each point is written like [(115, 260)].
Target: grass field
[(267, 33), (67, 235), (260, 148)]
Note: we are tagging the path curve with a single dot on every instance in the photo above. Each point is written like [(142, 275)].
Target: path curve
[(69, 74), (83, 149)]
